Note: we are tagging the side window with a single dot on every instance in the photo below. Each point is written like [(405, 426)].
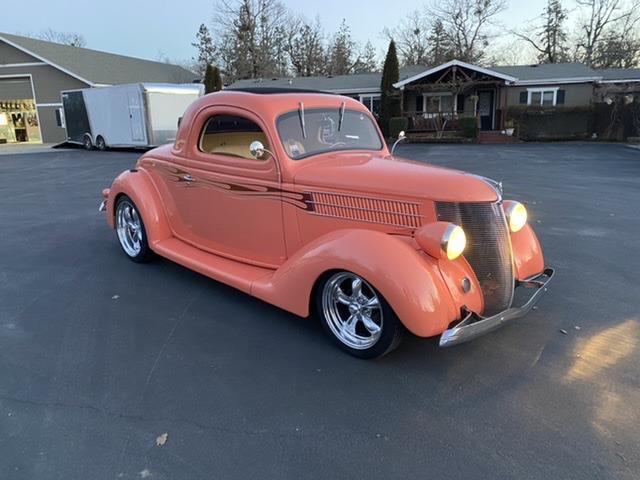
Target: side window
[(231, 135)]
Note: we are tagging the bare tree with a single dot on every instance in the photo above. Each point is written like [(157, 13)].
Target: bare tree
[(411, 37), (549, 36), (249, 37), (72, 39), (620, 47), (305, 47), (597, 19), (466, 25)]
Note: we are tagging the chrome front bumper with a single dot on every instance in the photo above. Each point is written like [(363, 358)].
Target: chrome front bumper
[(473, 325)]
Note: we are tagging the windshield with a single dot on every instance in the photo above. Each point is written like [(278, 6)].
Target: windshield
[(308, 132)]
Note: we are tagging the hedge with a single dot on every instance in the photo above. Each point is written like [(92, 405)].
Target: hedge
[(468, 127), (551, 123)]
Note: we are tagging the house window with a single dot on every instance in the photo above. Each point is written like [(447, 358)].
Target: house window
[(372, 102), (438, 102), (542, 96), (60, 117)]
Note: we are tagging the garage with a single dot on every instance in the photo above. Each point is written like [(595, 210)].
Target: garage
[(18, 115)]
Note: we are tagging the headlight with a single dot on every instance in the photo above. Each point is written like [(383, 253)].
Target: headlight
[(441, 240), (516, 215), (454, 241)]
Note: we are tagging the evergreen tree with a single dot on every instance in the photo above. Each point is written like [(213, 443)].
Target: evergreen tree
[(553, 36), (206, 48), (389, 98), (367, 61), (212, 80), (341, 51)]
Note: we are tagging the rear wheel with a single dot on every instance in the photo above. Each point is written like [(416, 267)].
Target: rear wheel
[(87, 143), (100, 143), (357, 316), (131, 232)]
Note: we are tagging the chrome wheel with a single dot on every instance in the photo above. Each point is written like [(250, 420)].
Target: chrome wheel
[(129, 228), (352, 310)]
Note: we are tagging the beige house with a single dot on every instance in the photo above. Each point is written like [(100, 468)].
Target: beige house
[(34, 72), (435, 98)]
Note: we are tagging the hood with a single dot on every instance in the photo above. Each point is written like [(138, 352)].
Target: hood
[(370, 173)]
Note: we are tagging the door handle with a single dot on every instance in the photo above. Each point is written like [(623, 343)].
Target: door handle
[(188, 178)]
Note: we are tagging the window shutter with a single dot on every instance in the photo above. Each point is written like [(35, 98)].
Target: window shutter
[(419, 103), (58, 117), (460, 103), (523, 98), (560, 97)]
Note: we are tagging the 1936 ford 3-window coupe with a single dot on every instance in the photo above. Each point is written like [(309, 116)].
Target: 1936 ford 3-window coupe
[(294, 198)]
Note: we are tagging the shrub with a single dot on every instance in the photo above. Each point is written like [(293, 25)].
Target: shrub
[(396, 125), (468, 127)]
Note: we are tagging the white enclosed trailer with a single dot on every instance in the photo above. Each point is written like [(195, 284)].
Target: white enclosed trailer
[(139, 115)]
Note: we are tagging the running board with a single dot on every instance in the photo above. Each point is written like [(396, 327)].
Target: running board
[(233, 273)]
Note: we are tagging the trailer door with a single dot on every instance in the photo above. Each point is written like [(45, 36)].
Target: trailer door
[(135, 117)]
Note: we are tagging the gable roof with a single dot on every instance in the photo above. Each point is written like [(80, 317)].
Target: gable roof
[(556, 73), (94, 67), (452, 63), (342, 84)]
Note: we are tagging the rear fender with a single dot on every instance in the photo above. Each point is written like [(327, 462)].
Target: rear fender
[(409, 280), (527, 254), (137, 185)]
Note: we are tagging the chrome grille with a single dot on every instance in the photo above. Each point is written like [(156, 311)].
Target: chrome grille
[(488, 249), (366, 209)]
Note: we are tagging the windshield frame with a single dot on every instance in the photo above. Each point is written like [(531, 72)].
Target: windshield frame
[(347, 110)]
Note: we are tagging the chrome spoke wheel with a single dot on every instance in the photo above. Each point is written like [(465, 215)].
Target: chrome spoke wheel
[(129, 228), (352, 310)]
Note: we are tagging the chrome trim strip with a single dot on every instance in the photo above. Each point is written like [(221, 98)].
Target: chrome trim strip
[(103, 206), (474, 325)]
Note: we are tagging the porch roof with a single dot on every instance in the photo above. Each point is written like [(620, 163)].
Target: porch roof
[(455, 63)]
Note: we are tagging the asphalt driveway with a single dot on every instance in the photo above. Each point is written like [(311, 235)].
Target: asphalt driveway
[(99, 356)]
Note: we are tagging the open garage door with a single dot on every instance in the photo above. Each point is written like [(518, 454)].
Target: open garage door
[(18, 115)]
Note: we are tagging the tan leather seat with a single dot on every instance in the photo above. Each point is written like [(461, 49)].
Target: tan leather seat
[(232, 143)]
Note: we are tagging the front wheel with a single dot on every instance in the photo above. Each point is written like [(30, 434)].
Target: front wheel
[(357, 316), (131, 232), (87, 143)]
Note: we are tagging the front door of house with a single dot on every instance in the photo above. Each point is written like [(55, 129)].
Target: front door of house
[(486, 109)]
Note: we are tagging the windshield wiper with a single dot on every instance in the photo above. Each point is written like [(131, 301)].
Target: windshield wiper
[(341, 116), (301, 115)]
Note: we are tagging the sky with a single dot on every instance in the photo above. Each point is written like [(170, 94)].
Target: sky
[(154, 29)]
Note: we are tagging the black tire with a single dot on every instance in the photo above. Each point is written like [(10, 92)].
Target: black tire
[(133, 241), (87, 143), (392, 329), (100, 143)]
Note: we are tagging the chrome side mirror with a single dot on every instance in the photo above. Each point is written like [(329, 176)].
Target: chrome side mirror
[(257, 149), (401, 136)]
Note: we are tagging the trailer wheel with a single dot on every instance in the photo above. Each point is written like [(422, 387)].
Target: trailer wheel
[(100, 143), (87, 143)]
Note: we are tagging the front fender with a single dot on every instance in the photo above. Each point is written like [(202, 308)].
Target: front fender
[(137, 185), (408, 279), (527, 253)]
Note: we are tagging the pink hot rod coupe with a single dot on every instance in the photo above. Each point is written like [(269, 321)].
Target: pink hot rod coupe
[(295, 198)]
